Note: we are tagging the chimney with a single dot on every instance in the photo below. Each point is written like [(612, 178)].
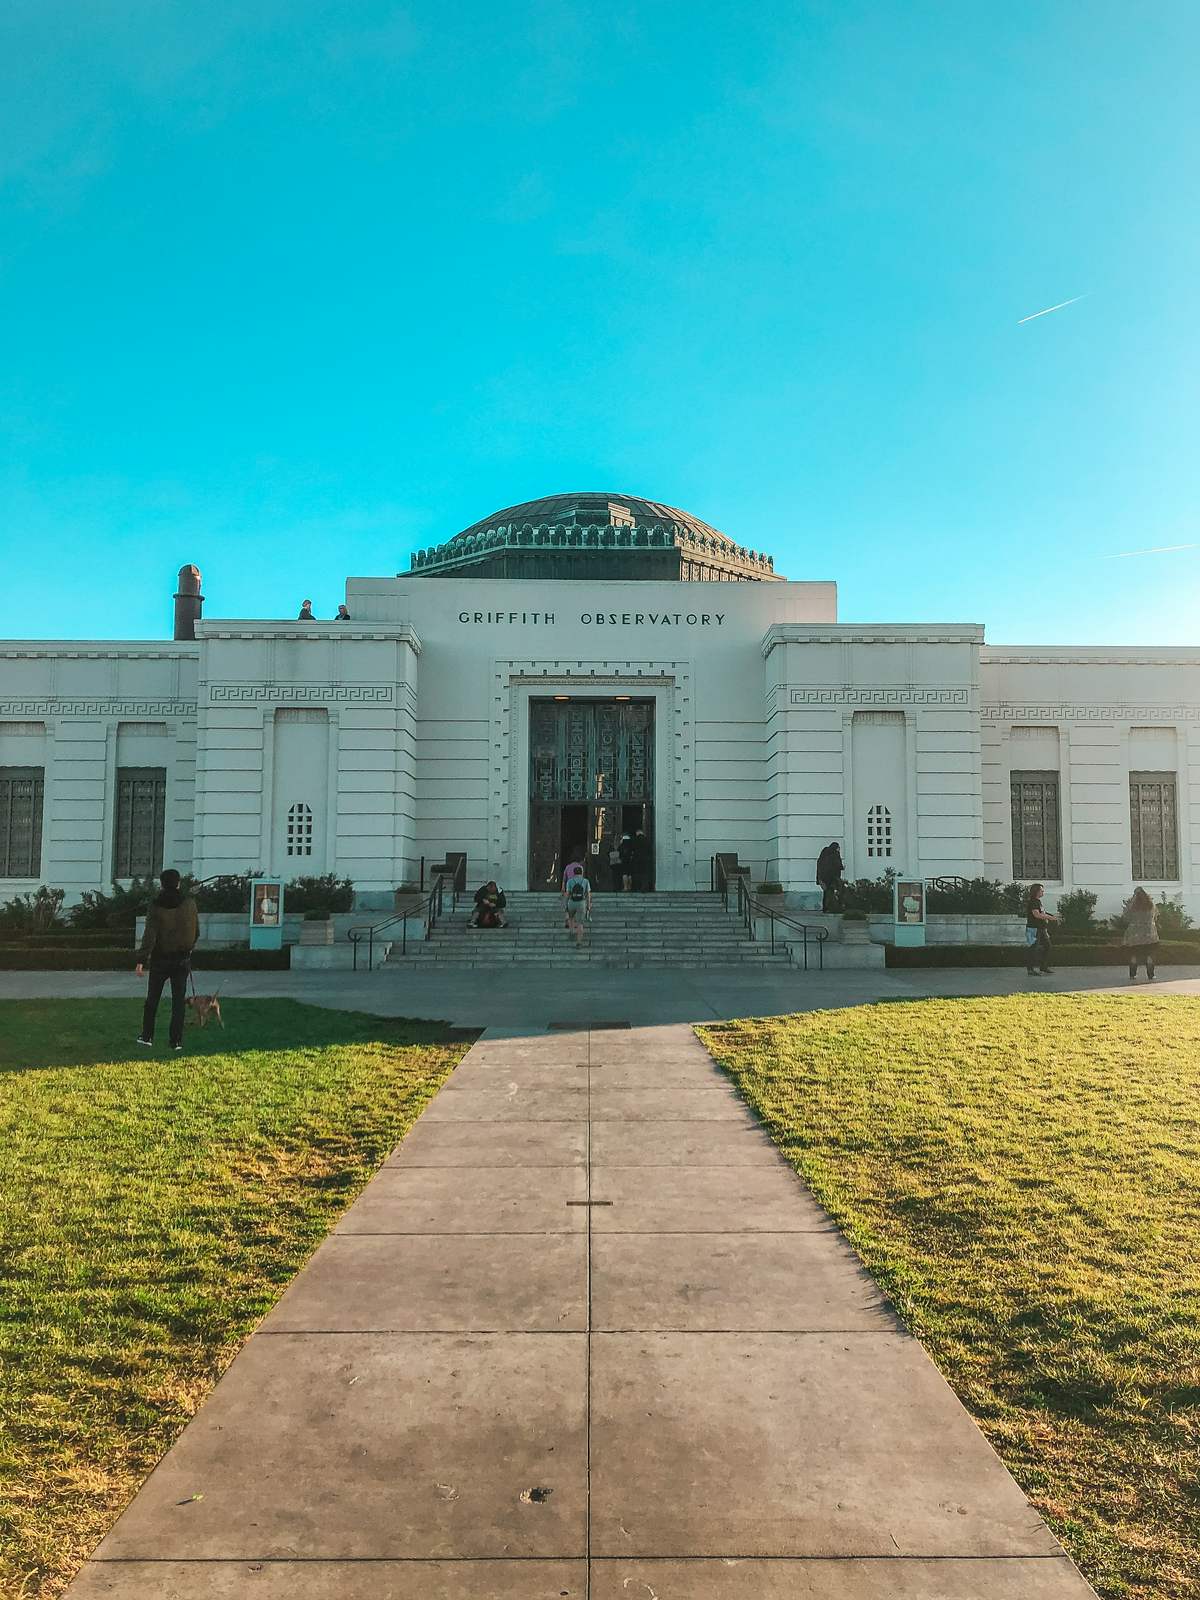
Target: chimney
[(189, 603)]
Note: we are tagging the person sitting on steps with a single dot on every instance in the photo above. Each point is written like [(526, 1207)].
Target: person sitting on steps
[(490, 903)]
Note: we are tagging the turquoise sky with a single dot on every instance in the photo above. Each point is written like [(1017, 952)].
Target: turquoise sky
[(292, 289)]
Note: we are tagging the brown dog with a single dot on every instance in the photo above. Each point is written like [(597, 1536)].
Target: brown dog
[(206, 1006)]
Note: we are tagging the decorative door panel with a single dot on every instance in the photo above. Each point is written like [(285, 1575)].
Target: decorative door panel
[(588, 750)]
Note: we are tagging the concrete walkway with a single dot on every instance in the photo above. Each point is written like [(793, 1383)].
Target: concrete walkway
[(519, 999), (585, 1334)]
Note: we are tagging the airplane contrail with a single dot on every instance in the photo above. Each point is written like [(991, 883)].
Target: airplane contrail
[(1036, 314), (1155, 550)]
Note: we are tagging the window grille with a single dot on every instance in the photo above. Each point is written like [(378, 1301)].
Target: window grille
[(1036, 830), (141, 822), (299, 830), (879, 831), (1152, 827), (22, 796)]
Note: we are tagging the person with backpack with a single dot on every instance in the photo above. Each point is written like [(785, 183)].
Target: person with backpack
[(577, 904), (172, 928), (1139, 920)]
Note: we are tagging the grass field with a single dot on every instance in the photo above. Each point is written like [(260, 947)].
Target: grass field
[(1022, 1176), (152, 1207)]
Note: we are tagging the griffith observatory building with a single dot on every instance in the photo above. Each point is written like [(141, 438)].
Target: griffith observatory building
[(581, 666)]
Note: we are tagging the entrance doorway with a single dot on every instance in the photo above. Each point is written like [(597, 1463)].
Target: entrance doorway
[(591, 779)]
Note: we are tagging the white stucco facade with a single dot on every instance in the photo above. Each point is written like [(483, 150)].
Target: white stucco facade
[(359, 747)]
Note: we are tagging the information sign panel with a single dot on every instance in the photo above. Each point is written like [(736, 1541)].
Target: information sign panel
[(909, 910), (266, 914)]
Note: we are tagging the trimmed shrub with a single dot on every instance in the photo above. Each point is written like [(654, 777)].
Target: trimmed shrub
[(1062, 954), (120, 909), (33, 913), (229, 892), (869, 894), (326, 893), (1076, 911), (1172, 918)]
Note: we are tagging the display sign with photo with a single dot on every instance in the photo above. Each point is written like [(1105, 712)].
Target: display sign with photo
[(910, 901), (266, 905)]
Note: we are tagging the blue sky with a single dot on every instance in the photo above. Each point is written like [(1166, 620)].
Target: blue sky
[(290, 290)]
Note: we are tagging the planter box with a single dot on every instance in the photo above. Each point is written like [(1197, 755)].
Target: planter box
[(229, 930), (316, 933)]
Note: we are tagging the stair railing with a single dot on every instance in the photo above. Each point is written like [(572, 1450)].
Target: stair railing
[(728, 875), (431, 908)]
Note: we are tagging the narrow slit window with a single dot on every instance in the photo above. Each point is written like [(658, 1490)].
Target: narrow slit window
[(299, 829)]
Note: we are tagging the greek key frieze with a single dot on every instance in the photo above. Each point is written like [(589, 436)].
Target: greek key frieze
[(1006, 711), (856, 695), (69, 706), (354, 694)]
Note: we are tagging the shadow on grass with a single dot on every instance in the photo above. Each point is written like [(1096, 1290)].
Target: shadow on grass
[(38, 1034)]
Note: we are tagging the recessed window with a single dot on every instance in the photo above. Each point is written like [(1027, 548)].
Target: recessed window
[(141, 821), (22, 796), (1153, 833), (879, 831), (299, 830), (1035, 826)]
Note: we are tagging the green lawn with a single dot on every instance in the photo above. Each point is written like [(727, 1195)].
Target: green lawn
[(152, 1207), (1022, 1176)]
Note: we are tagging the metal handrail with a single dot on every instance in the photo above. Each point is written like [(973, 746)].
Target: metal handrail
[(748, 908), (431, 908)]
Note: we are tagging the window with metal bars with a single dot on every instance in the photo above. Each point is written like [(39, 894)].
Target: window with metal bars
[(141, 822), (299, 830), (1036, 829), (879, 831), (22, 796), (1153, 832)]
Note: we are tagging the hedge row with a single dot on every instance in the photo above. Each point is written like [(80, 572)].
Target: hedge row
[(1062, 954), (57, 959)]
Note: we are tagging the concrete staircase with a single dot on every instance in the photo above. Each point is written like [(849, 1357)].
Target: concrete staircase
[(666, 929)]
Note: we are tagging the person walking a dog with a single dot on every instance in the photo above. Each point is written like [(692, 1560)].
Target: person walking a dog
[(172, 928)]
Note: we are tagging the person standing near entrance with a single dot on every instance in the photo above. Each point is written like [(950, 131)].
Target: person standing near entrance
[(829, 876), (1037, 932), (172, 928), (614, 866), (577, 904), (625, 852), (641, 862)]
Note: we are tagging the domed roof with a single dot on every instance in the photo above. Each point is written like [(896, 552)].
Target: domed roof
[(592, 510), (613, 528)]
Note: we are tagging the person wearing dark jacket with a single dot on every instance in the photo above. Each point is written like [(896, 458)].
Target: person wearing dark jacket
[(642, 861), (1038, 922), (172, 928), (829, 876), (306, 612)]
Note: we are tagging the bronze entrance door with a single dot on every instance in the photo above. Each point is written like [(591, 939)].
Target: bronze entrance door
[(591, 778)]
